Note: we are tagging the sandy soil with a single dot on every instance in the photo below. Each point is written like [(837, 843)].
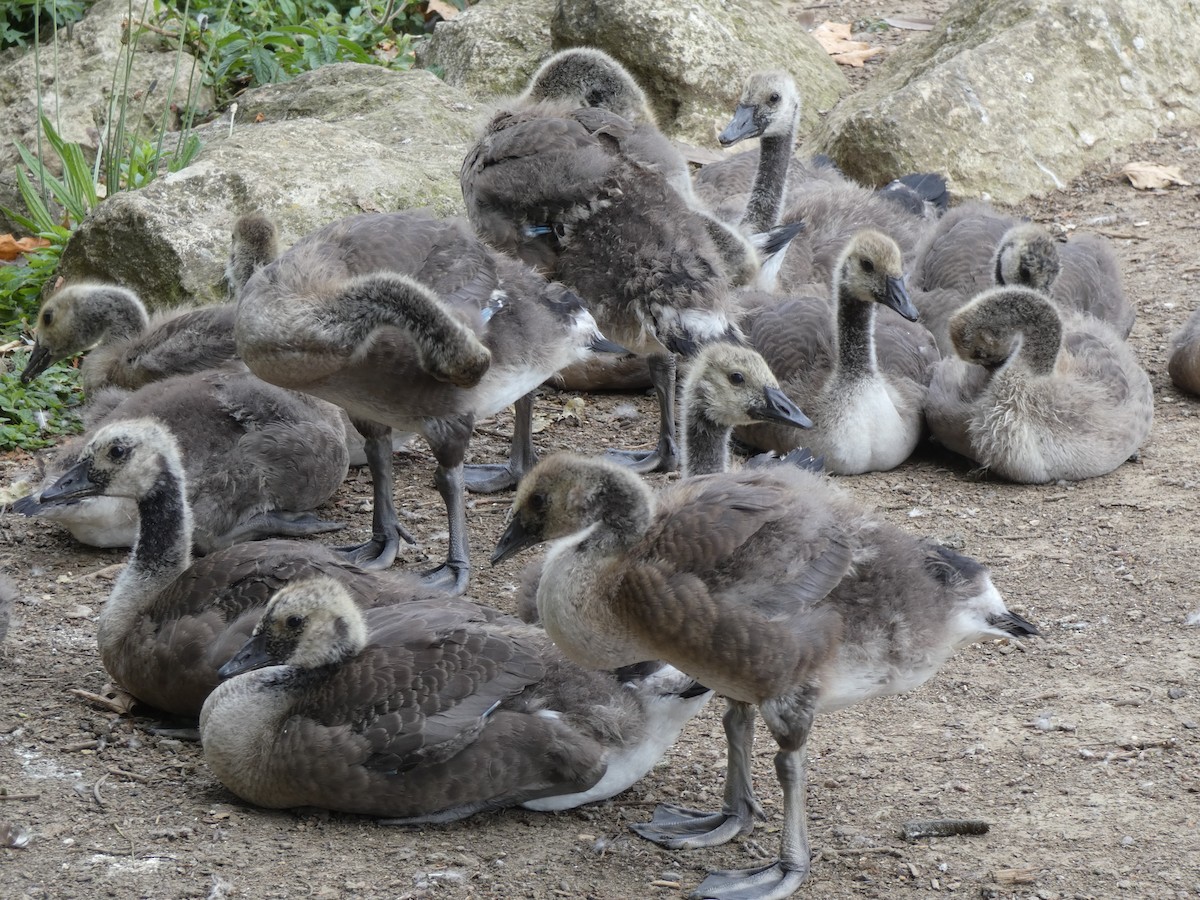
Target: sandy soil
[(1081, 749)]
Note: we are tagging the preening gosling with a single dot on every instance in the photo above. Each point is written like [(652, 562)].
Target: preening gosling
[(564, 190), (409, 322), (1038, 394), (768, 585), (428, 711)]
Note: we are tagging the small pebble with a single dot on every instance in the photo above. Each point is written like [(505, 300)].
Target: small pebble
[(1176, 693)]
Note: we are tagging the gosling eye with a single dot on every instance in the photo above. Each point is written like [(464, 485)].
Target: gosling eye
[(118, 452), (48, 317), (774, 98), (737, 378), (537, 502), (293, 622), (868, 266)]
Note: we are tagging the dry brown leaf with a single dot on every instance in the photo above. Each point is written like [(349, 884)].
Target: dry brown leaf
[(856, 58), (11, 247), (834, 37), (446, 10), (1147, 176)]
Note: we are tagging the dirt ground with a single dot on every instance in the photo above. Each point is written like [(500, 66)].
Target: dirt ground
[(1081, 749)]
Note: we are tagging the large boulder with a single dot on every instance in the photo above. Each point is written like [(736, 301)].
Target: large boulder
[(340, 140), (691, 57), (493, 48), (1012, 98), (76, 89)]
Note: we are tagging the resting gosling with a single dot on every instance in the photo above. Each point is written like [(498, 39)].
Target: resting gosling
[(1037, 394), (768, 585), (170, 622), (128, 347), (428, 711), (861, 379), (257, 458), (1184, 365)]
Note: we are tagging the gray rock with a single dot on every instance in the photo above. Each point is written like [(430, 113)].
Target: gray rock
[(492, 49), (693, 56), (1015, 97), (340, 140), (75, 88)]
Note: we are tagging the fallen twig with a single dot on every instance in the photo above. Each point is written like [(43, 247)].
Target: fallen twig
[(132, 776), (19, 796), (922, 828), (82, 745), (96, 789)]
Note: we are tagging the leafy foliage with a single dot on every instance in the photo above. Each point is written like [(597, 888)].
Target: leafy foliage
[(33, 415), (19, 18), (245, 43)]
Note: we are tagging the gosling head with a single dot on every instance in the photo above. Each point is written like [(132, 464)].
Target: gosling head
[(769, 106), (123, 459), (308, 624), (871, 270), (732, 385), (73, 320), (1027, 256), (996, 324), (566, 493), (255, 243), (585, 76)]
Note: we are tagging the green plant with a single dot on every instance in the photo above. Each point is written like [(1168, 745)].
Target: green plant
[(244, 43), (20, 20), (33, 415)]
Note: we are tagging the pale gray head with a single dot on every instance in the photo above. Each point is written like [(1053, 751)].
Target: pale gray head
[(1004, 320), (308, 624), (585, 76), (1027, 256), (255, 243), (769, 106), (77, 318), (871, 270), (123, 459), (732, 385), (566, 493)]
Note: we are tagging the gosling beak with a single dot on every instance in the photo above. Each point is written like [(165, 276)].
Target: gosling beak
[(39, 362), (73, 483), (740, 128), (778, 407), (601, 344), (896, 296), (253, 655), (513, 541)]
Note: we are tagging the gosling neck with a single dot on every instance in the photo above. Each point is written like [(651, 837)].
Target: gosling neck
[(161, 553), (623, 506), (770, 180), (705, 443), (1033, 317), (855, 337), (110, 314)]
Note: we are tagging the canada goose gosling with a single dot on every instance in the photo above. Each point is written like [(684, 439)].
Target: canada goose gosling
[(80, 316)]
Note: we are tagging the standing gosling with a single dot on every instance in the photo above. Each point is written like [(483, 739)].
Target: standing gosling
[(768, 585)]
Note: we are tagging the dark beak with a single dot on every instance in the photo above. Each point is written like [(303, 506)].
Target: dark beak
[(513, 541), (39, 362), (896, 296), (253, 655), (778, 407), (601, 344), (740, 128), (73, 483)]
